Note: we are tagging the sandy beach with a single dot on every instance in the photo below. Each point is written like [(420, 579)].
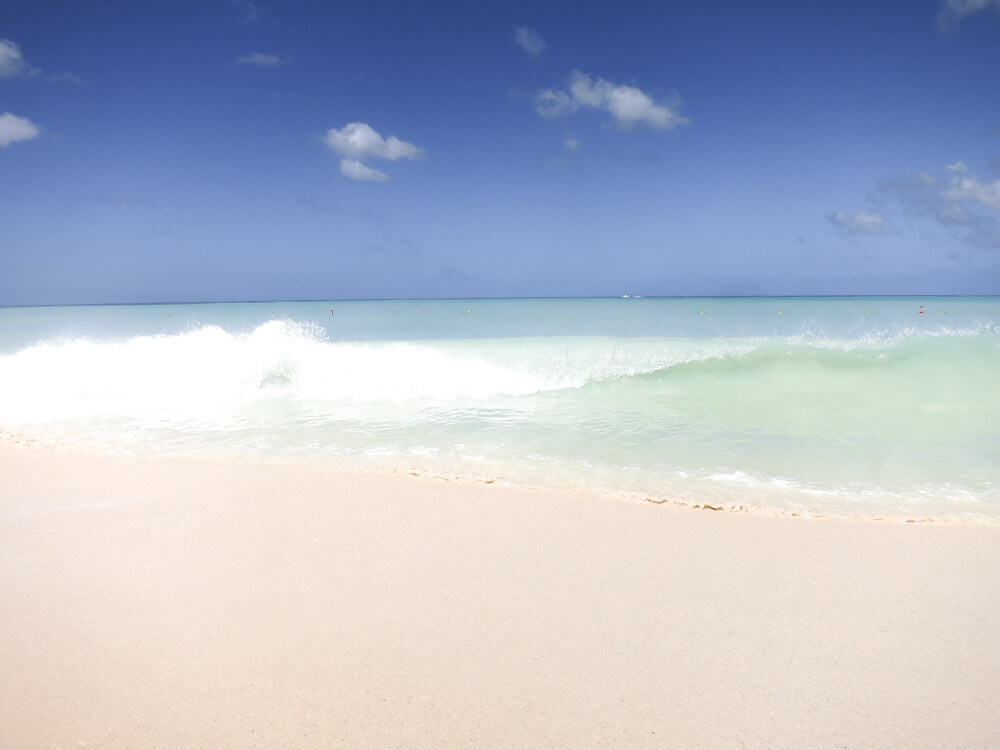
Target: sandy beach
[(173, 604)]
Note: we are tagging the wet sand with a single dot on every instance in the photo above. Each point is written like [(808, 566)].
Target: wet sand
[(186, 604)]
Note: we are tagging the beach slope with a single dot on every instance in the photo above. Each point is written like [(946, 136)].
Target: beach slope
[(182, 604)]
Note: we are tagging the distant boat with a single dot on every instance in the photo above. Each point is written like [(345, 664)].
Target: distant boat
[(625, 296)]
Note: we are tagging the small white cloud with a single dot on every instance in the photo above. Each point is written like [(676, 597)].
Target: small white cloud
[(953, 11), (359, 140), (14, 129), (529, 40), (12, 62), (357, 171), (261, 60), (13, 65), (628, 105), (862, 222), (957, 168), (571, 144)]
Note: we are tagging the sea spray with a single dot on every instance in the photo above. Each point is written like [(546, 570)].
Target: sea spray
[(856, 405)]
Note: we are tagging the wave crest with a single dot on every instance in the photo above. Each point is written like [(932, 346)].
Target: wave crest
[(208, 369)]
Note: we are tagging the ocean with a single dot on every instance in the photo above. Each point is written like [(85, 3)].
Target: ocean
[(846, 406)]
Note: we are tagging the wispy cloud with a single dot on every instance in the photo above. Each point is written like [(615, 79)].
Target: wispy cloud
[(860, 223), (12, 62), (565, 158), (953, 11), (529, 41), (249, 10), (323, 207), (13, 65), (627, 105), (358, 140), (127, 201), (957, 200), (261, 60), (63, 77), (14, 129)]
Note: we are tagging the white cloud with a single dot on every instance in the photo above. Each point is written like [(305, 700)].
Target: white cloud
[(628, 105), (359, 140), (571, 144), (12, 62), (958, 167), (14, 129), (529, 40), (862, 222), (953, 11), (13, 65), (260, 59), (972, 190), (357, 171)]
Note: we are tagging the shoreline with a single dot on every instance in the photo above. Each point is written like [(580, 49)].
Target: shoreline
[(341, 465), (170, 603)]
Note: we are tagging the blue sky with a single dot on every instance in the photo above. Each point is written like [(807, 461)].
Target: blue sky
[(236, 149)]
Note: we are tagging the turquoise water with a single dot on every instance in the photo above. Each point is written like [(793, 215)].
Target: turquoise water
[(855, 406)]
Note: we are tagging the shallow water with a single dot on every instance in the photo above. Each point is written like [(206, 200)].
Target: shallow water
[(856, 406)]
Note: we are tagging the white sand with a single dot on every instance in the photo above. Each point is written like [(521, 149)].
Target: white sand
[(184, 605)]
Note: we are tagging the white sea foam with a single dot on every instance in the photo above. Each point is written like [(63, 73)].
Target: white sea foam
[(812, 413), (207, 369)]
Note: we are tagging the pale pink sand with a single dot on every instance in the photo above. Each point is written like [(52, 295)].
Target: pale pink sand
[(189, 605)]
